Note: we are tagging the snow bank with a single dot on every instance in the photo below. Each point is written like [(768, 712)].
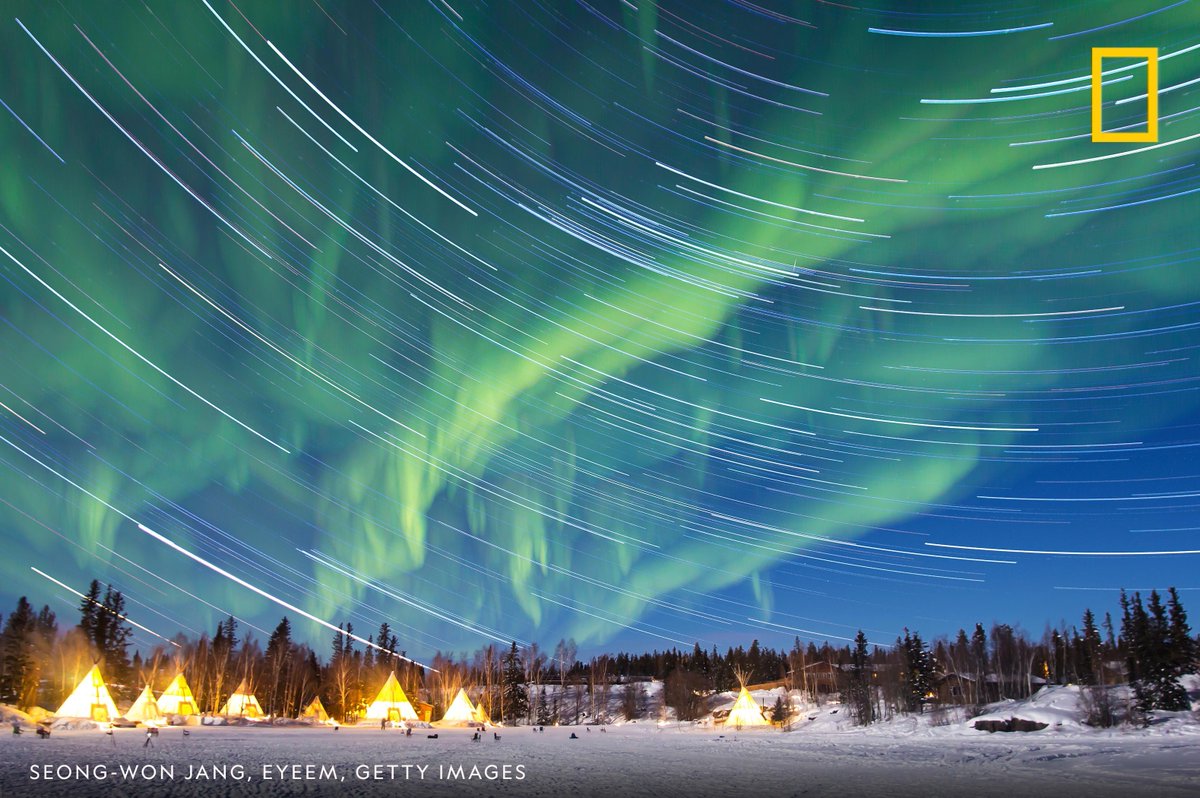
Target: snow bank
[(10, 714), (1058, 707), (76, 724)]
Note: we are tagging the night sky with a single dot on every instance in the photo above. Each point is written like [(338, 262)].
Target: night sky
[(638, 324)]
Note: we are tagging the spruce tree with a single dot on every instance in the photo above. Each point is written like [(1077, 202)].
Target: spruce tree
[(19, 668), (1162, 672), (1153, 674), (859, 688), (918, 671), (1090, 664), (113, 647), (979, 656), (388, 642), (544, 716), (1182, 645), (89, 609), (279, 651), (779, 712), (516, 696)]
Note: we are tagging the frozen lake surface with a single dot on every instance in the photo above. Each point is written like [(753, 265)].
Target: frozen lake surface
[(641, 759)]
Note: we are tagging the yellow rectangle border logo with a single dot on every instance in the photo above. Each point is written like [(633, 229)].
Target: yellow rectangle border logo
[(1151, 56)]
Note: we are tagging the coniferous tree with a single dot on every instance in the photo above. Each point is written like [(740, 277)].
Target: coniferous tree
[(114, 644), (388, 642), (224, 644), (89, 609), (1162, 670), (1179, 635), (979, 664), (516, 696), (779, 712), (859, 688), (544, 716), (1146, 633), (918, 671), (1133, 635), (1090, 663), (279, 652), (1110, 637), (20, 668)]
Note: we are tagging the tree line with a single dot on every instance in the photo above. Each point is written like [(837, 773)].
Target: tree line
[(1150, 647)]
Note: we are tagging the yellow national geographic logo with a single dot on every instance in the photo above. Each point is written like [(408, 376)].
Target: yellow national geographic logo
[(1151, 56)]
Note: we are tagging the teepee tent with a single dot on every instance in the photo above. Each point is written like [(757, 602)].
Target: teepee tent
[(391, 703), (145, 708), (315, 711), (242, 704), (461, 711), (177, 699), (90, 699), (745, 712)]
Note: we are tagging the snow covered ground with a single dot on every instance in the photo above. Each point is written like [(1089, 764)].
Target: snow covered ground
[(905, 758)]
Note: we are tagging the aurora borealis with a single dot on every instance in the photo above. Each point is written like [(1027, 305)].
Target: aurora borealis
[(606, 320)]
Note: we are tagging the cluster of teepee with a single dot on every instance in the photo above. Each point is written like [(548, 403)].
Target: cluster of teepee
[(391, 704), (462, 712), (91, 700)]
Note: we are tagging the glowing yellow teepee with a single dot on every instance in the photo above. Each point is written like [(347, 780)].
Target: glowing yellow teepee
[(315, 711), (461, 711), (145, 708), (90, 699), (242, 704), (177, 699), (745, 712), (391, 704)]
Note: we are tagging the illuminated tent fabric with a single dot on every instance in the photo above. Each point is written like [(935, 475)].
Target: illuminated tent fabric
[(461, 711), (481, 715), (391, 703), (145, 708), (90, 699), (745, 712), (177, 699), (315, 711), (242, 704)]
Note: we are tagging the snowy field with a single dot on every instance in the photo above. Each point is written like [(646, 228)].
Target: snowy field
[(907, 758)]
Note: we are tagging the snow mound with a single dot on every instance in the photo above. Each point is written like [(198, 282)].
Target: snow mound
[(10, 714), (74, 724), (1191, 683), (1057, 706)]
